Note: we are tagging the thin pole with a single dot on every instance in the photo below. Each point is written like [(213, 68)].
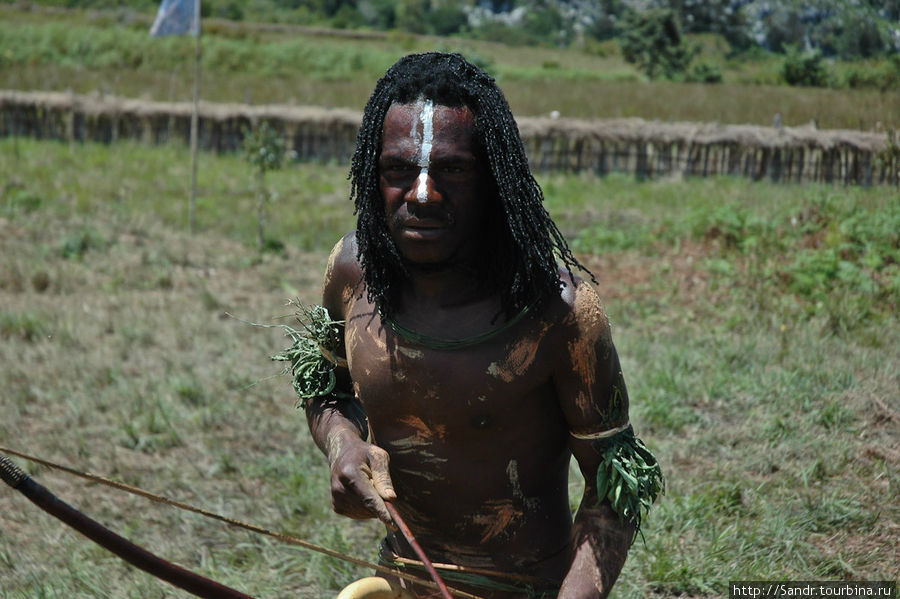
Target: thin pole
[(418, 549), (192, 208)]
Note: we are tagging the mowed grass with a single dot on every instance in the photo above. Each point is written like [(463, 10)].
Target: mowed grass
[(756, 325)]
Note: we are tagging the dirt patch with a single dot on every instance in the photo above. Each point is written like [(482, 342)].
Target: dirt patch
[(677, 273)]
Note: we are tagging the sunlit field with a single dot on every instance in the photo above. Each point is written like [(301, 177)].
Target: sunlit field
[(756, 324)]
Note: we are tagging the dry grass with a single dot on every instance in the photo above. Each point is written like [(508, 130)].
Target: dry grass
[(135, 372), (776, 425)]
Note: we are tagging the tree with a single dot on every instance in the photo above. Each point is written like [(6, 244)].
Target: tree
[(411, 15), (653, 41), (608, 19), (447, 17), (725, 17)]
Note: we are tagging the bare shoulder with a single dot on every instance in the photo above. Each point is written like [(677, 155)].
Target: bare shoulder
[(587, 373), (582, 309), (343, 275)]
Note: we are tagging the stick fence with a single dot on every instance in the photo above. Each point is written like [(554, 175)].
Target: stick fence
[(645, 149)]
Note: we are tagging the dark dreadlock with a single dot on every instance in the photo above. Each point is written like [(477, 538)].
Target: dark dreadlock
[(523, 269)]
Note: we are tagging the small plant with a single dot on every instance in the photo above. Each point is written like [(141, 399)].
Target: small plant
[(890, 155), (24, 326), (264, 150), (17, 200), (77, 244)]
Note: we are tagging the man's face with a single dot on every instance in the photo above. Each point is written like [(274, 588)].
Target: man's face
[(431, 183)]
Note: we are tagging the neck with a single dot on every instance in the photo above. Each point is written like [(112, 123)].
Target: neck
[(444, 285)]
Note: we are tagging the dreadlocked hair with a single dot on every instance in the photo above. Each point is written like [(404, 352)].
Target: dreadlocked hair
[(522, 267)]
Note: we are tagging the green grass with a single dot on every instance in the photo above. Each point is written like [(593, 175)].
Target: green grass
[(89, 53), (756, 325)]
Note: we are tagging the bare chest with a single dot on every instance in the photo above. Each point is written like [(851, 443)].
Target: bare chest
[(500, 384), (471, 432)]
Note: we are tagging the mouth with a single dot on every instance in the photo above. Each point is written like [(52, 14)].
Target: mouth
[(422, 229), (424, 225)]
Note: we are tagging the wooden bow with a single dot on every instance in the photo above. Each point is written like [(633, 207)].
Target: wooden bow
[(137, 556), (182, 578)]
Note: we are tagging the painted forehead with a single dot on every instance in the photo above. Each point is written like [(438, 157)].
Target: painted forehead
[(423, 146), (421, 132)]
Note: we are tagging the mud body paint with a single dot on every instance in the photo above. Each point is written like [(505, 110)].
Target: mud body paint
[(426, 117)]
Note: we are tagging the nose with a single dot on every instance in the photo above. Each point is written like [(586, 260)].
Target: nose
[(423, 189)]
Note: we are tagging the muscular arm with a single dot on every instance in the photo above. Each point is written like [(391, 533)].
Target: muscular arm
[(593, 396), (359, 470), (601, 538)]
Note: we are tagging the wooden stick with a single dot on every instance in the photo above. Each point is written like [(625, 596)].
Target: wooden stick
[(417, 548)]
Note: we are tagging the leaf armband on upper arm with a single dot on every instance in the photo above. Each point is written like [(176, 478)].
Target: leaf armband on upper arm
[(312, 358), (629, 476)]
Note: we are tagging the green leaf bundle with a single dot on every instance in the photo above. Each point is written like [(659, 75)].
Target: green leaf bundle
[(311, 356), (629, 476)]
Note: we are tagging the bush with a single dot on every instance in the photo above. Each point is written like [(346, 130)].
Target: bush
[(704, 72), (805, 68), (883, 76)]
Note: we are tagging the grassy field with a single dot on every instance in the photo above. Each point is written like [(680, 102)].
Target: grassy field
[(756, 323), (89, 52)]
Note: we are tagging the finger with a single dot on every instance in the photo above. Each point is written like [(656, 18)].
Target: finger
[(370, 497), (349, 488), (381, 476), (351, 509)]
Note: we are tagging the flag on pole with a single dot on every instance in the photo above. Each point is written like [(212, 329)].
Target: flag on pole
[(177, 17)]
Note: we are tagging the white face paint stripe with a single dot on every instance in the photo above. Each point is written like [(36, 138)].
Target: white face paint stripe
[(426, 116)]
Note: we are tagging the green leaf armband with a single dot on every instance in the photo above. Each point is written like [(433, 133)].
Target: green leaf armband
[(629, 475), (311, 356)]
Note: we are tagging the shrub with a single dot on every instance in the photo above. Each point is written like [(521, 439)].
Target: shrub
[(804, 68), (884, 75), (704, 72)]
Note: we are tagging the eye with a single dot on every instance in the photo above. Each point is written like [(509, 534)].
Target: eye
[(397, 169), (454, 168)]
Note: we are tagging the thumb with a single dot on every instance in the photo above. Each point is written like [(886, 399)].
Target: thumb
[(381, 476)]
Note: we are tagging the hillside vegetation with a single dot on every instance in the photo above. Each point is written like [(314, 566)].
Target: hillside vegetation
[(110, 52)]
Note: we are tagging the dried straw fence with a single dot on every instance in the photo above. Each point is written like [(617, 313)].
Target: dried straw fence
[(643, 148)]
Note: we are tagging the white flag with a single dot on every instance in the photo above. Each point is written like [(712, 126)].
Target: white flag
[(177, 17)]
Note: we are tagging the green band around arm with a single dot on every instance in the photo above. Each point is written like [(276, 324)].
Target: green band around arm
[(629, 476)]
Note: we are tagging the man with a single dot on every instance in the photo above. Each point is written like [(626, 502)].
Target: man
[(475, 365)]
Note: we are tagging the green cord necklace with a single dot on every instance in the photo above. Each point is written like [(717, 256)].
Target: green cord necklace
[(451, 344)]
